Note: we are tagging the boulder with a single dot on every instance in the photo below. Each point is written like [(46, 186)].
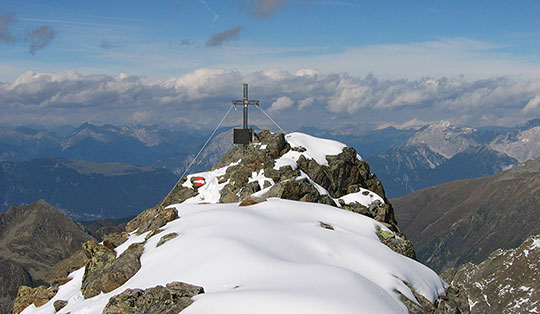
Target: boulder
[(37, 296), (171, 299), (104, 272), (152, 219)]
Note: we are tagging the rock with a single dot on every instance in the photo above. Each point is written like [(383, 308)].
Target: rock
[(252, 200), (59, 304), (104, 272), (115, 239), (448, 304), (326, 226), (167, 237), (397, 244), (37, 296), (173, 298), (151, 219)]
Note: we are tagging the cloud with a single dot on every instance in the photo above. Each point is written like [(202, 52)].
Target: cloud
[(533, 105), (306, 98), (39, 38), (106, 44), (263, 8), (281, 103), (5, 35), (219, 38)]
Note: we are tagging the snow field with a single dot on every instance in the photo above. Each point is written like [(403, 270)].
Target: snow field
[(272, 257)]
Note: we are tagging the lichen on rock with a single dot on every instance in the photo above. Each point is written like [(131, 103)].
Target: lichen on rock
[(173, 298), (37, 296), (104, 272)]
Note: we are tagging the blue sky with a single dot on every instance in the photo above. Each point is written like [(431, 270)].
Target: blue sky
[(477, 45)]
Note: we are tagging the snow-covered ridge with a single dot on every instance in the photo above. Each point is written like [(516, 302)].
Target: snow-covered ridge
[(272, 257)]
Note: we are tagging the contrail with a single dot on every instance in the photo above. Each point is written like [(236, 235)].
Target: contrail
[(216, 16)]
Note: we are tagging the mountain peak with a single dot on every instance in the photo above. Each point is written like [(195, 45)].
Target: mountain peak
[(295, 166)]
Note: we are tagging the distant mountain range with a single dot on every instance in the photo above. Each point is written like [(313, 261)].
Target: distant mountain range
[(464, 221), (404, 160), (138, 145), (441, 152), (84, 190)]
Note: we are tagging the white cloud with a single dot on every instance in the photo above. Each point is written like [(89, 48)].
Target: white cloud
[(533, 105), (322, 99), (281, 103)]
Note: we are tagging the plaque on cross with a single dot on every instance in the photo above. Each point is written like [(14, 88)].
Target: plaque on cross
[(245, 134)]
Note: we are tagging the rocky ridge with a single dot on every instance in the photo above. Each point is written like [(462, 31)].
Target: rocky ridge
[(464, 221), (506, 282), (33, 238)]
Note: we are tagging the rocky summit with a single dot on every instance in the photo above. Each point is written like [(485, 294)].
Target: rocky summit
[(278, 165), (291, 218)]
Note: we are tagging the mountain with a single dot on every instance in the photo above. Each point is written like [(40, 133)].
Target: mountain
[(410, 168), (405, 169), (444, 138), (521, 143), (25, 143), (297, 220), (33, 238), (366, 143), (464, 221), (84, 190), (506, 282), (142, 145)]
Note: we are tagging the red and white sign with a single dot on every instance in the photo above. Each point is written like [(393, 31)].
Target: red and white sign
[(198, 181)]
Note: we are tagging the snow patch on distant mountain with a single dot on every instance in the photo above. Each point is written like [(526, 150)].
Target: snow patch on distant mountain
[(444, 138), (524, 146)]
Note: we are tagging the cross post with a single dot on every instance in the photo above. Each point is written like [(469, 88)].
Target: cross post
[(245, 134)]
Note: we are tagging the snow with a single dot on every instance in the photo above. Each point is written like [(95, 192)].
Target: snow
[(364, 197), (210, 192), (260, 178), (316, 148), (272, 257)]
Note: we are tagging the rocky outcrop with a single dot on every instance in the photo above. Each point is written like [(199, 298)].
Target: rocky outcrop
[(173, 298), (344, 174), (506, 282), (37, 296), (396, 243), (454, 302), (104, 272), (151, 219)]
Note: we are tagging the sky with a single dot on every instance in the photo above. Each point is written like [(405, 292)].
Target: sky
[(323, 63)]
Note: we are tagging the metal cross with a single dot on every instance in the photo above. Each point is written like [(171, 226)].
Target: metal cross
[(244, 135)]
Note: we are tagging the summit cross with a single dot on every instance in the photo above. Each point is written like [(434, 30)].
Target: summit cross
[(245, 134)]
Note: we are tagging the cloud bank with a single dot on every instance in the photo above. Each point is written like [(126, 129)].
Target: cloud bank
[(304, 98)]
